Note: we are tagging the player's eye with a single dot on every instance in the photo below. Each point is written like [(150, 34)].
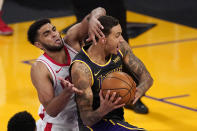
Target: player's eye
[(46, 34), (118, 34)]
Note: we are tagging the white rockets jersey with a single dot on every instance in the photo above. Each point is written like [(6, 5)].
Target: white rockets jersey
[(68, 116)]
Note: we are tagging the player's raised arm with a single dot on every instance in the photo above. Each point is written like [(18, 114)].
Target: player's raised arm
[(136, 67), (88, 26), (82, 79)]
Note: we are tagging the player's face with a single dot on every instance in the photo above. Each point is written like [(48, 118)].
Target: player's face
[(114, 39), (49, 38)]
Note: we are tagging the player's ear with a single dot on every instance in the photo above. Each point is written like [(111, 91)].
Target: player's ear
[(38, 44)]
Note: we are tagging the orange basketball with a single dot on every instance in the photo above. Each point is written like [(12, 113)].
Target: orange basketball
[(122, 84)]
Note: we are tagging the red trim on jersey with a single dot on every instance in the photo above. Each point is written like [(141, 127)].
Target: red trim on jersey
[(42, 114), (54, 62), (48, 127), (51, 69)]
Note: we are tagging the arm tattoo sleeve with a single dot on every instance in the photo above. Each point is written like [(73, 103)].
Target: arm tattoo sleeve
[(136, 67), (81, 78)]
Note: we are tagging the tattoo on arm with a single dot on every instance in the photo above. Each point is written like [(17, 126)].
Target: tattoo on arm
[(136, 67), (81, 78)]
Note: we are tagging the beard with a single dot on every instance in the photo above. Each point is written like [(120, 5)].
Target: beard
[(53, 48)]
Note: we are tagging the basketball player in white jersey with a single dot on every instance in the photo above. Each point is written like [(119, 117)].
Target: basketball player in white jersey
[(58, 109)]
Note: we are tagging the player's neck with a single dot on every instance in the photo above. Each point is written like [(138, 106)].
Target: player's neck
[(97, 54), (59, 56)]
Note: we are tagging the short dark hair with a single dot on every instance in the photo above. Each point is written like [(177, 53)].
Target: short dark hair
[(22, 121), (33, 29), (108, 22)]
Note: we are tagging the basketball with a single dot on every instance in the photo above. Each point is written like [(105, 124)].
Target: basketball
[(122, 84)]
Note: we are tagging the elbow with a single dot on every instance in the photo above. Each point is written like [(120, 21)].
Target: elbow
[(86, 122), (150, 81), (102, 9)]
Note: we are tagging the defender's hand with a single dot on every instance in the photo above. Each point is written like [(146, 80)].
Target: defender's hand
[(94, 30), (70, 87)]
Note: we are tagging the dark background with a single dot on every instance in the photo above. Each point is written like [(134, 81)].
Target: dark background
[(179, 11)]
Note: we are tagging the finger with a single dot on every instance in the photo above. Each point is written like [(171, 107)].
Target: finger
[(107, 95), (135, 100), (119, 106), (101, 95), (117, 100), (97, 34), (99, 29), (64, 82), (100, 26), (138, 94), (70, 85), (112, 97), (77, 91), (89, 39), (94, 40), (100, 33), (92, 37), (60, 78)]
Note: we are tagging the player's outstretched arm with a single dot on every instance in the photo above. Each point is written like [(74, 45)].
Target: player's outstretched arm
[(136, 67), (42, 81), (82, 79)]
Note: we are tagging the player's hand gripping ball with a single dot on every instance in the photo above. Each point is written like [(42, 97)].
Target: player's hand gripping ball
[(122, 84)]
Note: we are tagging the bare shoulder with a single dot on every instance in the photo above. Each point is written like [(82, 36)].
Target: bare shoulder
[(81, 74), (39, 72), (39, 67)]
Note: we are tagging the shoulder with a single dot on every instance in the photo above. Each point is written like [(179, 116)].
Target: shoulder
[(38, 65), (81, 72), (80, 67), (39, 68)]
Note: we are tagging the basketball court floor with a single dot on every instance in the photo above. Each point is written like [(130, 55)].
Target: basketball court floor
[(168, 50)]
